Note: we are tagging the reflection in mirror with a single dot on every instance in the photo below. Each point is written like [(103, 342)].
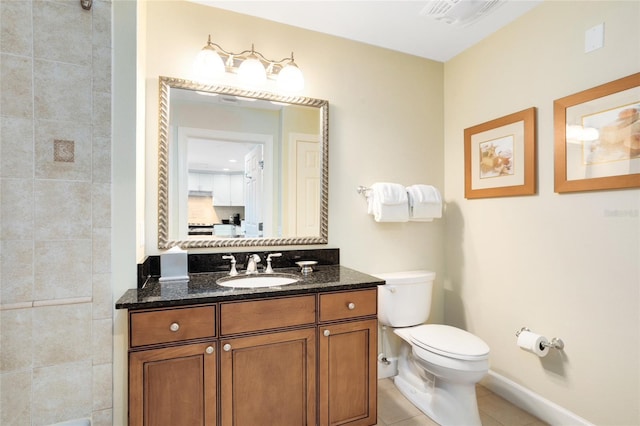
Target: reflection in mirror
[(240, 168)]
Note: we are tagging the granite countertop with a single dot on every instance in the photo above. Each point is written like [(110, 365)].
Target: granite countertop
[(202, 288)]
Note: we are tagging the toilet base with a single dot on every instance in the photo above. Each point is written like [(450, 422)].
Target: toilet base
[(447, 405)]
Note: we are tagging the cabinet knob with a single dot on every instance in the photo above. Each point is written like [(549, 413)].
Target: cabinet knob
[(174, 326), (326, 333), (226, 347), (351, 306), (209, 350)]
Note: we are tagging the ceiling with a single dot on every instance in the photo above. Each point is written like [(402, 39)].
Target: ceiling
[(399, 25)]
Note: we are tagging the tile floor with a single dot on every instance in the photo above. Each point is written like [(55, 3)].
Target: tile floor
[(395, 410)]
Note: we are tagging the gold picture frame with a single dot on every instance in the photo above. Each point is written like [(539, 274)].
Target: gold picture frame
[(597, 137), (500, 156)]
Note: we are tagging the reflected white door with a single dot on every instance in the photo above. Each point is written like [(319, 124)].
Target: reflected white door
[(253, 167), (308, 164)]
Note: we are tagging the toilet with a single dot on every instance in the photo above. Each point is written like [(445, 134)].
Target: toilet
[(438, 366)]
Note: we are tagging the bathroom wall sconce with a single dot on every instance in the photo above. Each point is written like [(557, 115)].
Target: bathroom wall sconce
[(252, 68)]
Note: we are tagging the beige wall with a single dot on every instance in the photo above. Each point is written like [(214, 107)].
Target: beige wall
[(55, 299), (385, 122), (563, 265)]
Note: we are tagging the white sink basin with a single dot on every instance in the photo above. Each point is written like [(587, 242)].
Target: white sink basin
[(257, 281)]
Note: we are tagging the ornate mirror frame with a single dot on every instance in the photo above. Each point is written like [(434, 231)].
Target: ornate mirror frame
[(167, 83)]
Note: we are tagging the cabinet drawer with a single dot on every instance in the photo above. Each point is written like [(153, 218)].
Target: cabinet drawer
[(267, 314), (348, 304), (172, 325)]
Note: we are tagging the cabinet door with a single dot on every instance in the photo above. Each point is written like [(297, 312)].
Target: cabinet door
[(348, 373), (221, 190), (173, 386), (269, 379), (237, 190)]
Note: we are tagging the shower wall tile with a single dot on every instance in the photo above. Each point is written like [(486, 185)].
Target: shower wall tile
[(102, 390), (101, 199), (16, 147), (62, 392), (16, 30), (62, 210), (68, 33), (102, 341), (64, 334), (16, 405), (16, 209), (62, 269), (102, 297), (15, 339), (101, 160), (101, 250), (101, 114), (102, 418), (46, 132), (16, 86), (56, 331), (62, 91), (16, 271)]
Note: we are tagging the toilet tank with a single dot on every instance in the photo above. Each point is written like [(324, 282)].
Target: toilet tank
[(405, 299)]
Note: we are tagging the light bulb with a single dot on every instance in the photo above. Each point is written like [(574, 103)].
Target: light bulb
[(290, 78), (251, 72), (208, 65)]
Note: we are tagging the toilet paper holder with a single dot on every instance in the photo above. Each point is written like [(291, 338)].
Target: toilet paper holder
[(554, 343)]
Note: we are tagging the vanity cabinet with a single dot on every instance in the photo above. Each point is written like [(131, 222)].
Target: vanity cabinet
[(173, 385), (347, 358), (271, 375), (292, 360)]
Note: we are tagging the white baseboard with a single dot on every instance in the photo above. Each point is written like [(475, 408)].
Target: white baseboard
[(531, 402)]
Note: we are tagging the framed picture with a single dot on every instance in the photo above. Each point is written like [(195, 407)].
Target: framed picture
[(597, 137), (500, 156)]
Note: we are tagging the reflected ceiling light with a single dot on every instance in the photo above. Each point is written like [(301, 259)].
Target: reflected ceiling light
[(253, 68)]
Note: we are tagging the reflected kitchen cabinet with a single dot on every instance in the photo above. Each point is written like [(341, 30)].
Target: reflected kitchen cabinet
[(228, 190)]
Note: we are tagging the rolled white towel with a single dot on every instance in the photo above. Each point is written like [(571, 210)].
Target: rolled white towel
[(425, 203), (388, 202)]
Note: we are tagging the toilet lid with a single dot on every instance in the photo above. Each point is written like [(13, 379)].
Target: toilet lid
[(449, 341)]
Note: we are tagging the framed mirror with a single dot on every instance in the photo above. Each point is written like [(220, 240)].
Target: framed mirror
[(239, 168)]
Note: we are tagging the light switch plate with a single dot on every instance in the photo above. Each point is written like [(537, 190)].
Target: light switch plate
[(594, 38)]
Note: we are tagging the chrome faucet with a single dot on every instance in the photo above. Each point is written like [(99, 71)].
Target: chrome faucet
[(233, 272), (252, 264)]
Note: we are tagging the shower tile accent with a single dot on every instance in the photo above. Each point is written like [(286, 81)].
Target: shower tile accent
[(64, 151)]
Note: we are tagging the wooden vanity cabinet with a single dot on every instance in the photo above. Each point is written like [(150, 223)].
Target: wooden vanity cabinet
[(347, 358), (173, 376), (300, 360), (268, 377)]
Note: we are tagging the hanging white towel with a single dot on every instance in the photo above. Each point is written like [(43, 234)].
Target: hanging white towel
[(388, 202), (425, 203)]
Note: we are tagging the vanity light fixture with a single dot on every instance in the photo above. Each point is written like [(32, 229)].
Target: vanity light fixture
[(252, 68)]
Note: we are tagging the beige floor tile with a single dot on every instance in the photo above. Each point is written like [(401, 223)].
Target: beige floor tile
[(395, 410)]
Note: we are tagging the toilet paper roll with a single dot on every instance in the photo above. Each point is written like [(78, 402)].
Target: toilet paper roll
[(532, 342)]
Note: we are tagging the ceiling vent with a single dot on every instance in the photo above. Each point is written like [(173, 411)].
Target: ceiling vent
[(459, 12)]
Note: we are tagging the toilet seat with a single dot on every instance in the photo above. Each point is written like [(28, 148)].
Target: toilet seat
[(449, 341)]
